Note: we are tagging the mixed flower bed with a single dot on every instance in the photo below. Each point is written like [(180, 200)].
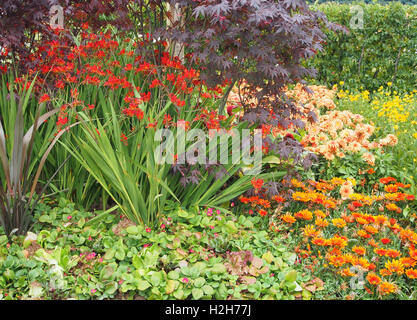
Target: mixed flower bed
[(89, 211)]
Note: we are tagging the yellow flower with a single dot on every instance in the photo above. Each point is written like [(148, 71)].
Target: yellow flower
[(395, 266), (339, 222)]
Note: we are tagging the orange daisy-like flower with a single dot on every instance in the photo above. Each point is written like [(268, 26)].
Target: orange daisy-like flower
[(385, 240), (339, 223), (408, 262), (391, 188), (371, 229), (304, 214), (373, 278), (386, 288), (387, 180), (373, 243), (381, 219), (393, 207), (361, 220), (359, 250), (310, 231), (411, 273), (338, 241), (413, 253), (385, 272), (297, 184), (319, 214), (347, 273), (363, 234), (393, 253), (394, 266), (287, 218), (319, 241), (323, 223), (336, 260)]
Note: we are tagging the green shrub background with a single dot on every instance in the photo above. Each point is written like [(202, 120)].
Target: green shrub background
[(385, 50)]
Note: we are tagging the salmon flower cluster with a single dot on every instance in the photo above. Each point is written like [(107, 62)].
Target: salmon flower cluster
[(340, 132)]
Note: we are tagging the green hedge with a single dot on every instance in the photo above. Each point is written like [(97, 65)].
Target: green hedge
[(384, 50), (411, 2)]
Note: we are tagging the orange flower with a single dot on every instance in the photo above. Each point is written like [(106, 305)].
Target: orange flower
[(319, 241), (347, 273), (363, 234), (336, 260), (323, 223), (371, 229), (304, 214), (385, 272), (361, 220), (393, 253), (338, 241), (338, 222), (391, 188), (393, 207), (373, 243), (387, 180), (394, 266), (408, 262), (386, 288), (373, 278), (359, 250), (319, 214), (411, 273), (380, 219), (288, 218), (310, 231)]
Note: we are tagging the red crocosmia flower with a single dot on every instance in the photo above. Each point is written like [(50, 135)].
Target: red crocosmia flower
[(59, 84), (145, 96), (128, 67), (155, 83), (124, 139), (385, 240), (257, 183), (44, 98), (171, 77), (152, 124), (91, 106), (62, 121), (84, 25)]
